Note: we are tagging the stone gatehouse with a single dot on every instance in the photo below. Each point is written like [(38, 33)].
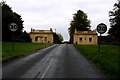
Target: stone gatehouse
[(41, 36), (85, 37)]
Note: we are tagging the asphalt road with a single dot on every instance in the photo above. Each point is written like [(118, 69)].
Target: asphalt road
[(57, 61)]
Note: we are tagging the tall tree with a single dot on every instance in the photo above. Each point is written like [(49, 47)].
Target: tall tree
[(79, 22), (8, 16), (114, 31)]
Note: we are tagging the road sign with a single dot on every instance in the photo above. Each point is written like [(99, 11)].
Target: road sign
[(101, 28), (13, 27)]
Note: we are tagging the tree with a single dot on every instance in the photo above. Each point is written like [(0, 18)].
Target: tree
[(114, 31), (8, 16), (25, 37), (58, 38), (79, 22)]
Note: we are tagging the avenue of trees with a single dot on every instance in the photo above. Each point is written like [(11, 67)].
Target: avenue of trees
[(79, 22)]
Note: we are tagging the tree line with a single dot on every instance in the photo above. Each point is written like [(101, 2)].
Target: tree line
[(82, 23)]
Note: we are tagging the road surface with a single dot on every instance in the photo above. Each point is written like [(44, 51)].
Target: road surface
[(57, 61)]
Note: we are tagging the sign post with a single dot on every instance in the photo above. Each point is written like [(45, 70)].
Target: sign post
[(13, 27), (101, 28)]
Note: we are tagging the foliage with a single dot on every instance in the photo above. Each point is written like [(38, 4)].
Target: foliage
[(114, 31), (20, 49), (107, 59), (79, 22), (24, 37), (58, 38), (8, 16)]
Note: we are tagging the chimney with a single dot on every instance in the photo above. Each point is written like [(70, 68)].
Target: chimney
[(75, 31), (51, 29), (31, 29)]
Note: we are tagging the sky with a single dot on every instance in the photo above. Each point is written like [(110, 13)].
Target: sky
[(57, 14)]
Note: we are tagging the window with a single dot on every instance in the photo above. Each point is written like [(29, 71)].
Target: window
[(36, 38), (80, 39), (45, 39), (90, 39)]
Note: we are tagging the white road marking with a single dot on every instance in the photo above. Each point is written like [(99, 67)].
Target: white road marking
[(46, 69), (44, 73)]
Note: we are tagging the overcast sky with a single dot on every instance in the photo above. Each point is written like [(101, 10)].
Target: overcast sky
[(57, 14)]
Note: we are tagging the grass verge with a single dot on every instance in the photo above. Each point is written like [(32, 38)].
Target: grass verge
[(20, 49), (108, 59)]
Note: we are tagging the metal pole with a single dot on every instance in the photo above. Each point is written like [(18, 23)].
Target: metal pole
[(118, 54), (13, 42), (99, 45)]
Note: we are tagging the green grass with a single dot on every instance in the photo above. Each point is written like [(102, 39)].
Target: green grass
[(108, 59), (20, 49)]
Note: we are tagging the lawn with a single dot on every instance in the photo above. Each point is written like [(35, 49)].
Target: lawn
[(20, 49), (108, 59)]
